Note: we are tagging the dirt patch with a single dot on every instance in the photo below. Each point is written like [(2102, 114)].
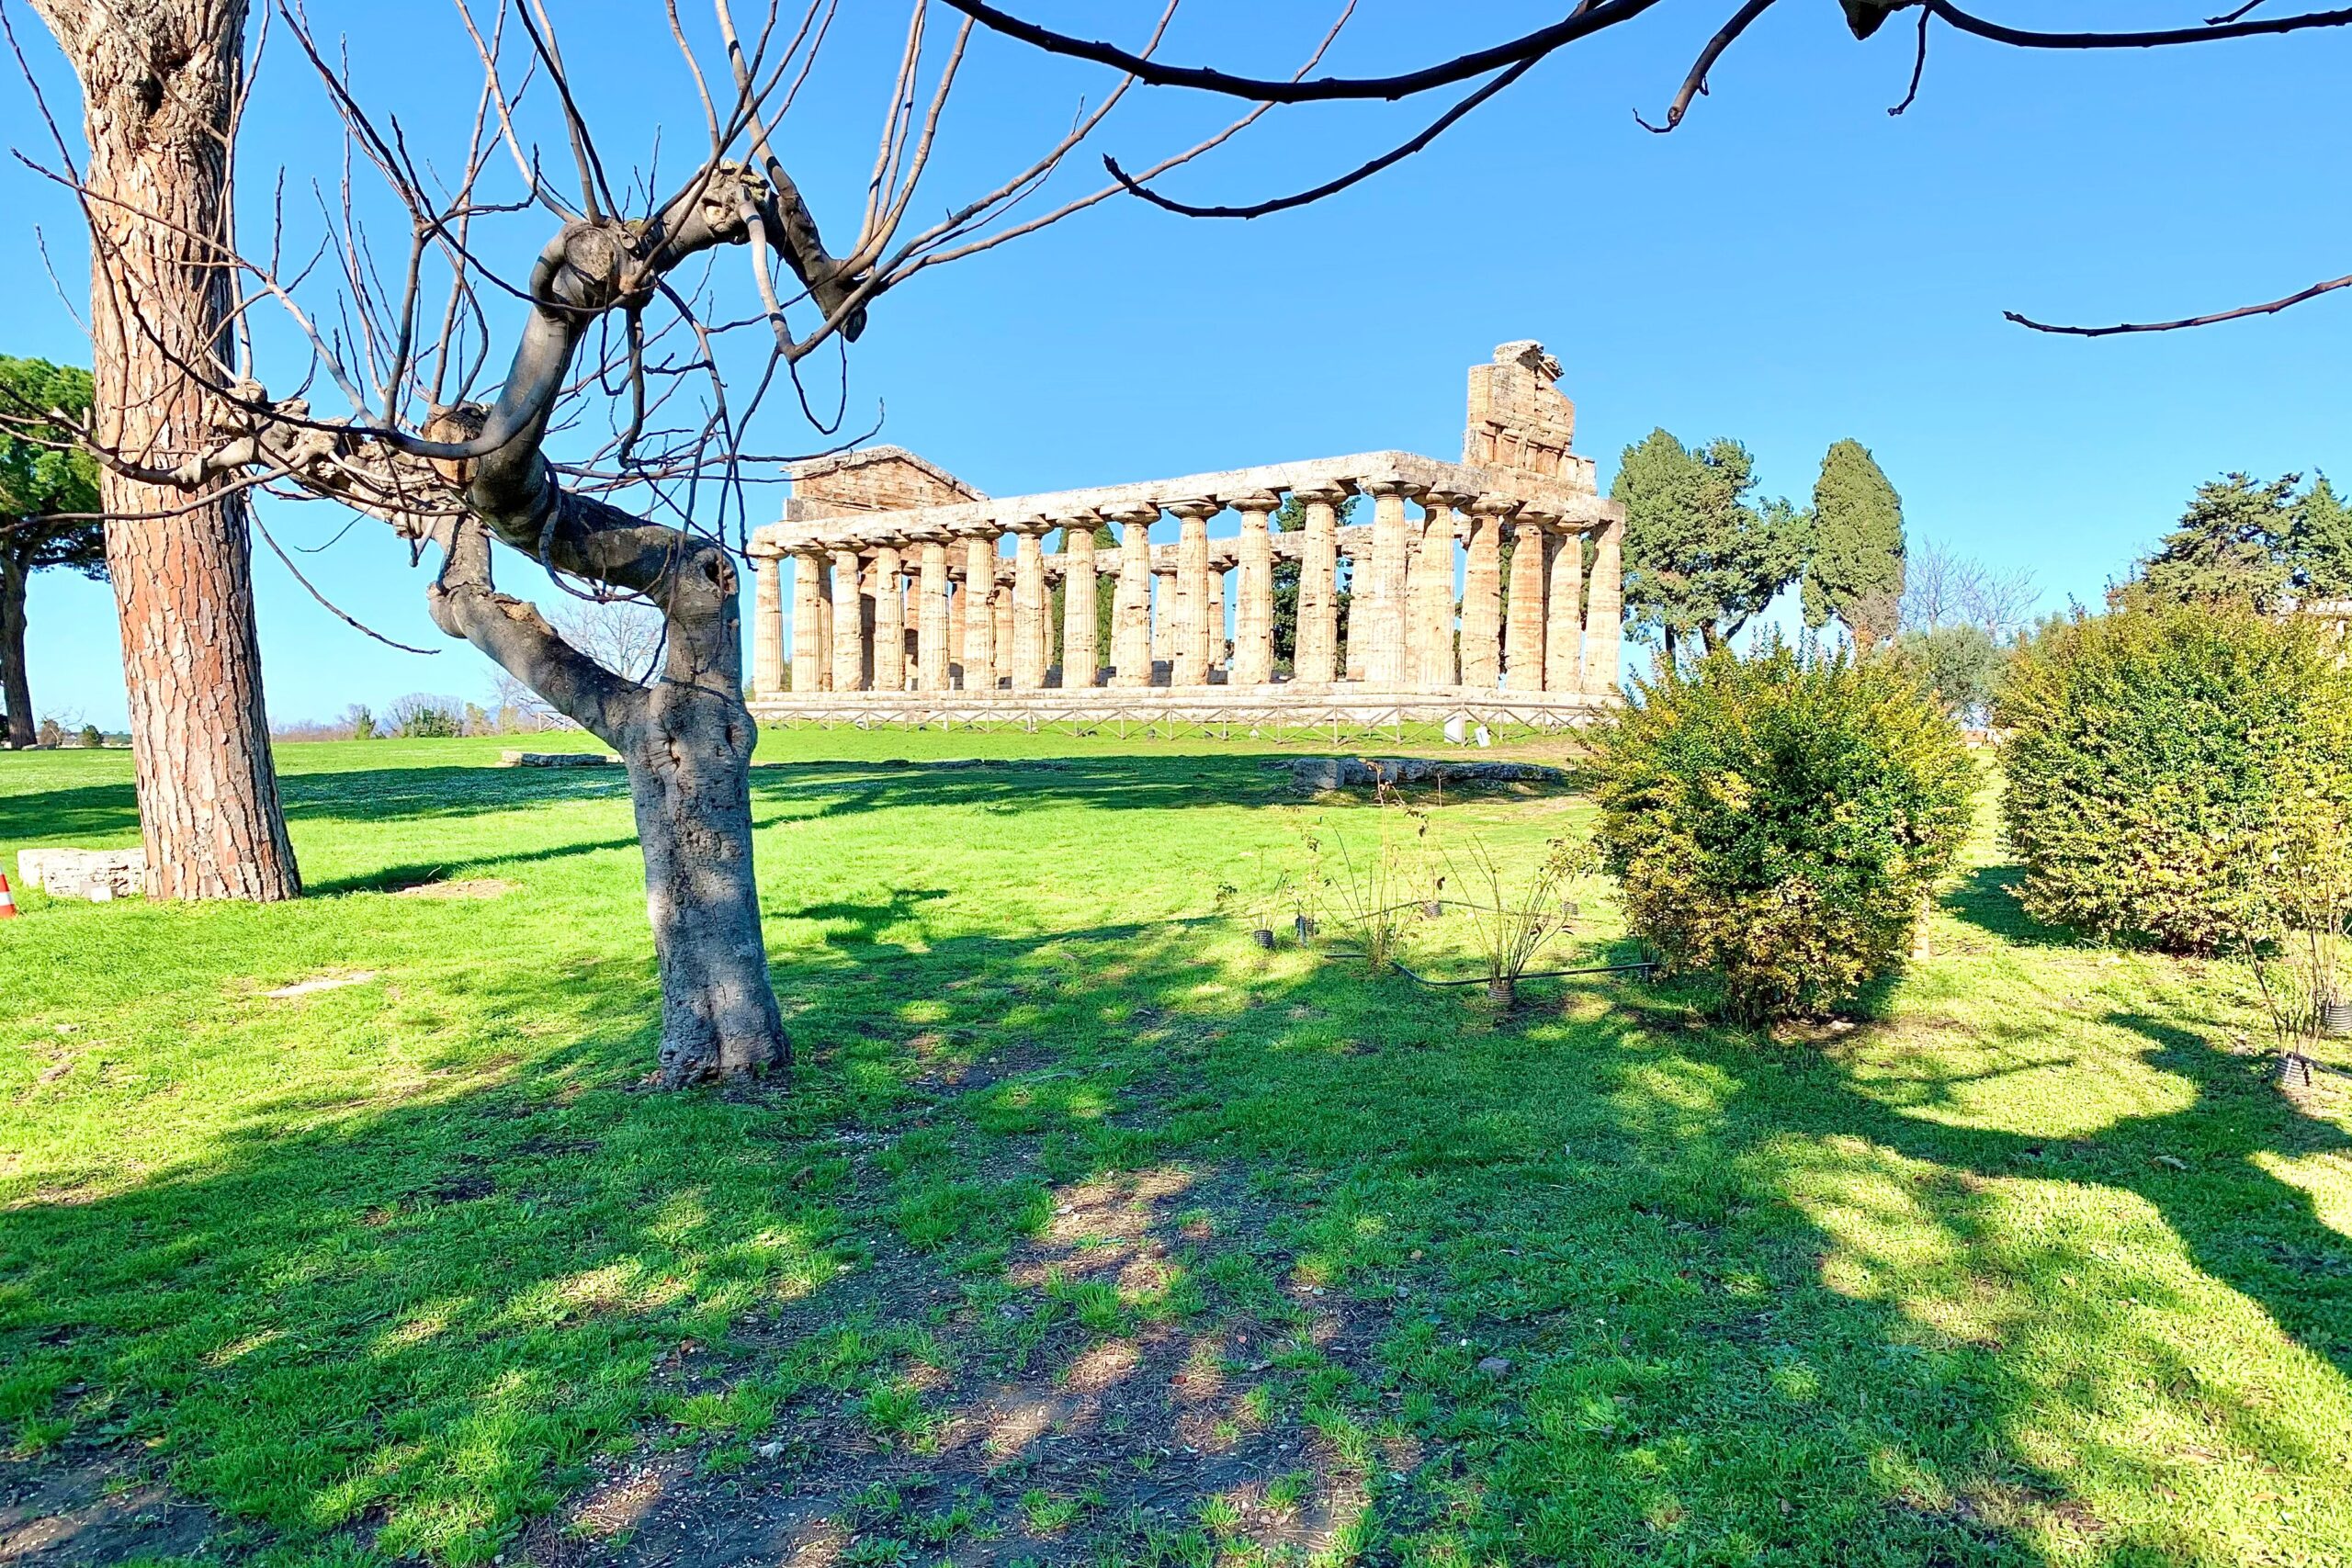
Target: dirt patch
[(1072, 1422), (92, 1507), (467, 887), (317, 983)]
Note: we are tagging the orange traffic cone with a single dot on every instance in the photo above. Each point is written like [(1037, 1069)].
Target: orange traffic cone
[(7, 900)]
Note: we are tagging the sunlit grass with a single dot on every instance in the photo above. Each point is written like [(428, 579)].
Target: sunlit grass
[(2035, 1265)]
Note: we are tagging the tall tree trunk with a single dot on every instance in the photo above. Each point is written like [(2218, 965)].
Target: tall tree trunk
[(159, 85), (16, 686)]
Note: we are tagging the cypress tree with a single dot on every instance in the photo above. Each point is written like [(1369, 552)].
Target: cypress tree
[(2319, 546), (1855, 572)]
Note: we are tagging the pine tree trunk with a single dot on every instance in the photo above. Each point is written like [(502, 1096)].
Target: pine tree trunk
[(16, 686), (159, 83), (689, 769)]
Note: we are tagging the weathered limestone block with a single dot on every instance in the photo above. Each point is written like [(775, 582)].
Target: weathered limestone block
[(1313, 775), (555, 760), (94, 875)]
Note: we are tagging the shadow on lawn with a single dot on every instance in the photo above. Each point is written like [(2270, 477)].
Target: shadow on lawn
[(1141, 1219)]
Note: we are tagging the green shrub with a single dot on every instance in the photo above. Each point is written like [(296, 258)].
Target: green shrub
[(2157, 756), (1779, 820)]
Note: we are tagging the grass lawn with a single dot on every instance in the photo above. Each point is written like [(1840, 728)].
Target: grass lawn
[(1091, 1232)]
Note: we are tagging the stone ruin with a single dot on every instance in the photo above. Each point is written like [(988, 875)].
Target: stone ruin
[(906, 608)]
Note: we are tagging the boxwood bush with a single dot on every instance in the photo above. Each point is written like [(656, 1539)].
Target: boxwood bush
[(2157, 755), (1779, 820)]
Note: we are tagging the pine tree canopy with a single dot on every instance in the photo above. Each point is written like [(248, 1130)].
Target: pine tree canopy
[(1700, 558), (1855, 568), (36, 481), (2231, 548)]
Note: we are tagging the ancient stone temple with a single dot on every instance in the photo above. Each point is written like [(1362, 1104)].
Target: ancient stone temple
[(1486, 589)]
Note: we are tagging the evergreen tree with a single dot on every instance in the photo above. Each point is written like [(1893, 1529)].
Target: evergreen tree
[(2229, 548), (1700, 558), (1855, 568), (2319, 544), (36, 484)]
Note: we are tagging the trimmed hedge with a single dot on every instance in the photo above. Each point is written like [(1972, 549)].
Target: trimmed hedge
[(1779, 820), (2157, 756)]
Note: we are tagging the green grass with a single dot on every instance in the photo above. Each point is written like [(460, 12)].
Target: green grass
[(2036, 1265)]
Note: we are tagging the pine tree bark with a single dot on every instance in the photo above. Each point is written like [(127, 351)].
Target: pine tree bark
[(16, 686), (159, 80)]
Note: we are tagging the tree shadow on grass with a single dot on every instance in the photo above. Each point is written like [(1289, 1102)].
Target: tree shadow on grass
[(1126, 1240), (1988, 899)]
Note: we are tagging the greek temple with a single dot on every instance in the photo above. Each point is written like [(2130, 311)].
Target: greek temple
[(1486, 589)]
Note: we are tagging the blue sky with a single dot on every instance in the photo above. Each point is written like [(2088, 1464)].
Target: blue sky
[(1790, 267)]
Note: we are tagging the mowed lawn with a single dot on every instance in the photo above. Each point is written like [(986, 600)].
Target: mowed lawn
[(1091, 1232)]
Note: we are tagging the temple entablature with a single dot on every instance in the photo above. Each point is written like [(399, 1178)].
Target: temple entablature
[(1426, 625)]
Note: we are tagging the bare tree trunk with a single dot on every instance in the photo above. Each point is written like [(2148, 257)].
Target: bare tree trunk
[(689, 768), (16, 686), (159, 87)]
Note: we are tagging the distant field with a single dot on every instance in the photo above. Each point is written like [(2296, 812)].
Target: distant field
[(1091, 1232)]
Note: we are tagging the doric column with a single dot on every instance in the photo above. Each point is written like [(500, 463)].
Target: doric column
[(849, 624), (1080, 657), (889, 617), (767, 626), (979, 612), (1216, 622), (1601, 628), (1318, 650), (1564, 613), (931, 619), (1482, 594), (1188, 638), (807, 622), (959, 598), (824, 623), (1254, 588), (1005, 647), (1032, 609), (1433, 659), (1384, 628), (1131, 606), (1165, 613), (1524, 632)]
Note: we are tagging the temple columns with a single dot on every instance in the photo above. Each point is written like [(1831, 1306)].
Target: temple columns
[(1188, 638), (808, 623), (1080, 657), (931, 619), (849, 624), (1216, 622), (1253, 582), (1482, 594), (889, 618), (1523, 629), (979, 613), (1032, 607), (1131, 605), (1383, 631), (1318, 650), (1602, 629)]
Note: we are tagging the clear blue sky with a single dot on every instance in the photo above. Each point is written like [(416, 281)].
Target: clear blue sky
[(1790, 267)]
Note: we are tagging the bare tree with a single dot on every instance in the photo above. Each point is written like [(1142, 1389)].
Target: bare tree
[(612, 455), (1943, 588)]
